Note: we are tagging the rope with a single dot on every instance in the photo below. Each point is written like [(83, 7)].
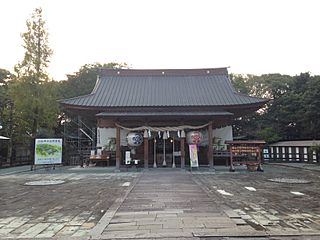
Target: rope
[(162, 129)]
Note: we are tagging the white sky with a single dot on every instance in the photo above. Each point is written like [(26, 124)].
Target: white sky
[(250, 36)]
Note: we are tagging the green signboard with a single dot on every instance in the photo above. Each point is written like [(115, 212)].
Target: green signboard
[(48, 151)]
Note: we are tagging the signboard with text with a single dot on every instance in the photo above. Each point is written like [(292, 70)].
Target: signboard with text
[(48, 151), (245, 150)]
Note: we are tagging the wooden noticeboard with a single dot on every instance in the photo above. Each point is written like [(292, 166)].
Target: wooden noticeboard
[(245, 152)]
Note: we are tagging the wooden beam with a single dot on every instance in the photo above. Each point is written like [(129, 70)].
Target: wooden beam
[(118, 152), (183, 154), (146, 152), (210, 149)]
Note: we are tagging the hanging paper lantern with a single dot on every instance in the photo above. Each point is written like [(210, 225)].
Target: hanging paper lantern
[(134, 139), (194, 137)]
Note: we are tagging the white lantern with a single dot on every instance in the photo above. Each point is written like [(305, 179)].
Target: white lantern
[(134, 139), (194, 137)]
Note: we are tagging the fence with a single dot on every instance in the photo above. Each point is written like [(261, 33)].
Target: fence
[(292, 154), (17, 161)]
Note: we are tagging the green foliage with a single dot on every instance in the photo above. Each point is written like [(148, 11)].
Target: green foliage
[(80, 83), (240, 83), (5, 102), (31, 92), (293, 112), (37, 51), (270, 86), (5, 77), (83, 81), (268, 134), (28, 98)]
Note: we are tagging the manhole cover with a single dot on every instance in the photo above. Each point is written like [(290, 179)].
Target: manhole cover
[(288, 180), (44, 182)]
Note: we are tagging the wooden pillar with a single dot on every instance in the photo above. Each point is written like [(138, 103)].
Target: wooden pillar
[(259, 169), (118, 152), (146, 152), (154, 153), (183, 154), (231, 169), (79, 140), (164, 163), (210, 149)]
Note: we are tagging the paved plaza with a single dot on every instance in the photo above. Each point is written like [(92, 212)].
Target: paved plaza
[(97, 203)]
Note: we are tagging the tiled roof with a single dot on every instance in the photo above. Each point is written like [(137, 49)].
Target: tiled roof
[(163, 88), (163, 114), (305, 143)]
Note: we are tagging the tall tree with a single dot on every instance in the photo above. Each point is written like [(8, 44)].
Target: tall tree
[(34, 101), (37, 51)]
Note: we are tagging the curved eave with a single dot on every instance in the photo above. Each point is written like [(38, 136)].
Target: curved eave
[(67, 103), (256, 105), (248, 105), (162, 114)]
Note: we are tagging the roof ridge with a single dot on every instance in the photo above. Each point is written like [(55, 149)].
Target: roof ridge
[(163, 72)]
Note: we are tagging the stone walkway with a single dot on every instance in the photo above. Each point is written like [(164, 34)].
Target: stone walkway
[(166, 204)]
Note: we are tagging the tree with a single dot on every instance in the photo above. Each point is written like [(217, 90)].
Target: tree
[(5, 103), (37, 51), (293, 112), (80, 83), (6, 112), (83, 81), (264, 124), (33, 99)]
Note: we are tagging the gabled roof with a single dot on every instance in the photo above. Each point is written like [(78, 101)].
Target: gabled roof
[(163, 88)]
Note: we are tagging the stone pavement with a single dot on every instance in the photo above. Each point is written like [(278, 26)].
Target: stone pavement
[(177, 204), (61, 211), (95, 203), (276, 208), (166, 204)]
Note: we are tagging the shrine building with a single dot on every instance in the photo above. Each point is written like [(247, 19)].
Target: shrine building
[(152, 116)]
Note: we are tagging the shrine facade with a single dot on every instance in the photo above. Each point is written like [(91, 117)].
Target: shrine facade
[(152, 117)]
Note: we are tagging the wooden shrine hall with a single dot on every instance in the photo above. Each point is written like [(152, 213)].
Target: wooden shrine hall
[(151, 116)]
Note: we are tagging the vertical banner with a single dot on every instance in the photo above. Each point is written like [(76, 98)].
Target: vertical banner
[(48, 151), (193, 155), (128, 157)]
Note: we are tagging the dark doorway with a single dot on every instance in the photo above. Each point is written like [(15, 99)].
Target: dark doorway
[(170, 148)]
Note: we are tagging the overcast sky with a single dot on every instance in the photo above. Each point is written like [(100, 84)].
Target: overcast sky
[(250, 36)]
